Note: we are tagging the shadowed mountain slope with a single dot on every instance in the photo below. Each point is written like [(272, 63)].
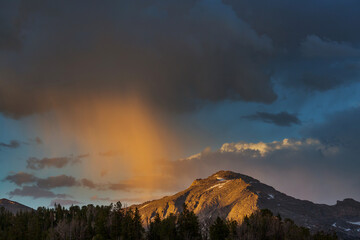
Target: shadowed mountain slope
[(12, 206)]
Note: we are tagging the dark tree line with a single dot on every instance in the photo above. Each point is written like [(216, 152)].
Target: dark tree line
[(117, 223), (265, 226)]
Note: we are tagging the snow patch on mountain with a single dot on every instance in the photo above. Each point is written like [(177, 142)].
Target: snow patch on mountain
[(270, 196), (355, 223)]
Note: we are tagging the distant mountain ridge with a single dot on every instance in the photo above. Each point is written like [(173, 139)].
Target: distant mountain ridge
[(233, 196), (13, 206)]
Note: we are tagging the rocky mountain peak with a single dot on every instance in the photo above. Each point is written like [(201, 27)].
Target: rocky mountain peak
[(348, 202), (233, 196), (221, 176)]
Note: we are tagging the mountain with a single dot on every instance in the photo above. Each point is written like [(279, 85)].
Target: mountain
[(12, 206), (233, 196)]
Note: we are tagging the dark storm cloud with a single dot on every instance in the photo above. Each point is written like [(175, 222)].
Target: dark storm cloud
[(314, 46), (12, 144), (289, 23), (283, 119), (57, 162), (35, 192), (174, 54), (339, 129), (177, 55), (9, 30), (319, 40), (324, 65)]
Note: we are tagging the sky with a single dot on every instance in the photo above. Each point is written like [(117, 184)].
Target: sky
[(105, 101)]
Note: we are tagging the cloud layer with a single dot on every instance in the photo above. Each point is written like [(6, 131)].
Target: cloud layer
[(283, 119), (11, 144), (173, 57), (56, 162), (36, 192)]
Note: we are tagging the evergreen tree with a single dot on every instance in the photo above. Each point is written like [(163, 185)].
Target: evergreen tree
[(188, 225), (138, 228), (155, 229), (219, 230)]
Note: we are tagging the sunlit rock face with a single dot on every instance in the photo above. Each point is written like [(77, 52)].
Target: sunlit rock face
[(233, 196)]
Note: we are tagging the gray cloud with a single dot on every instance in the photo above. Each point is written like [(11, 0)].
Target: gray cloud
[(283, 119), (12, 144), (57, 181), (35, 192), (9, 30), (51, 182), (21, 178), (313, 46), (16, 144), (57, 162), (88, 183)]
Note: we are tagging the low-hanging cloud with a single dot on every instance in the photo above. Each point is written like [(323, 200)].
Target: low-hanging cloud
[(12, 144), (56, 162), (21, 178), (36, 192), (57, 181), (283, 119)]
